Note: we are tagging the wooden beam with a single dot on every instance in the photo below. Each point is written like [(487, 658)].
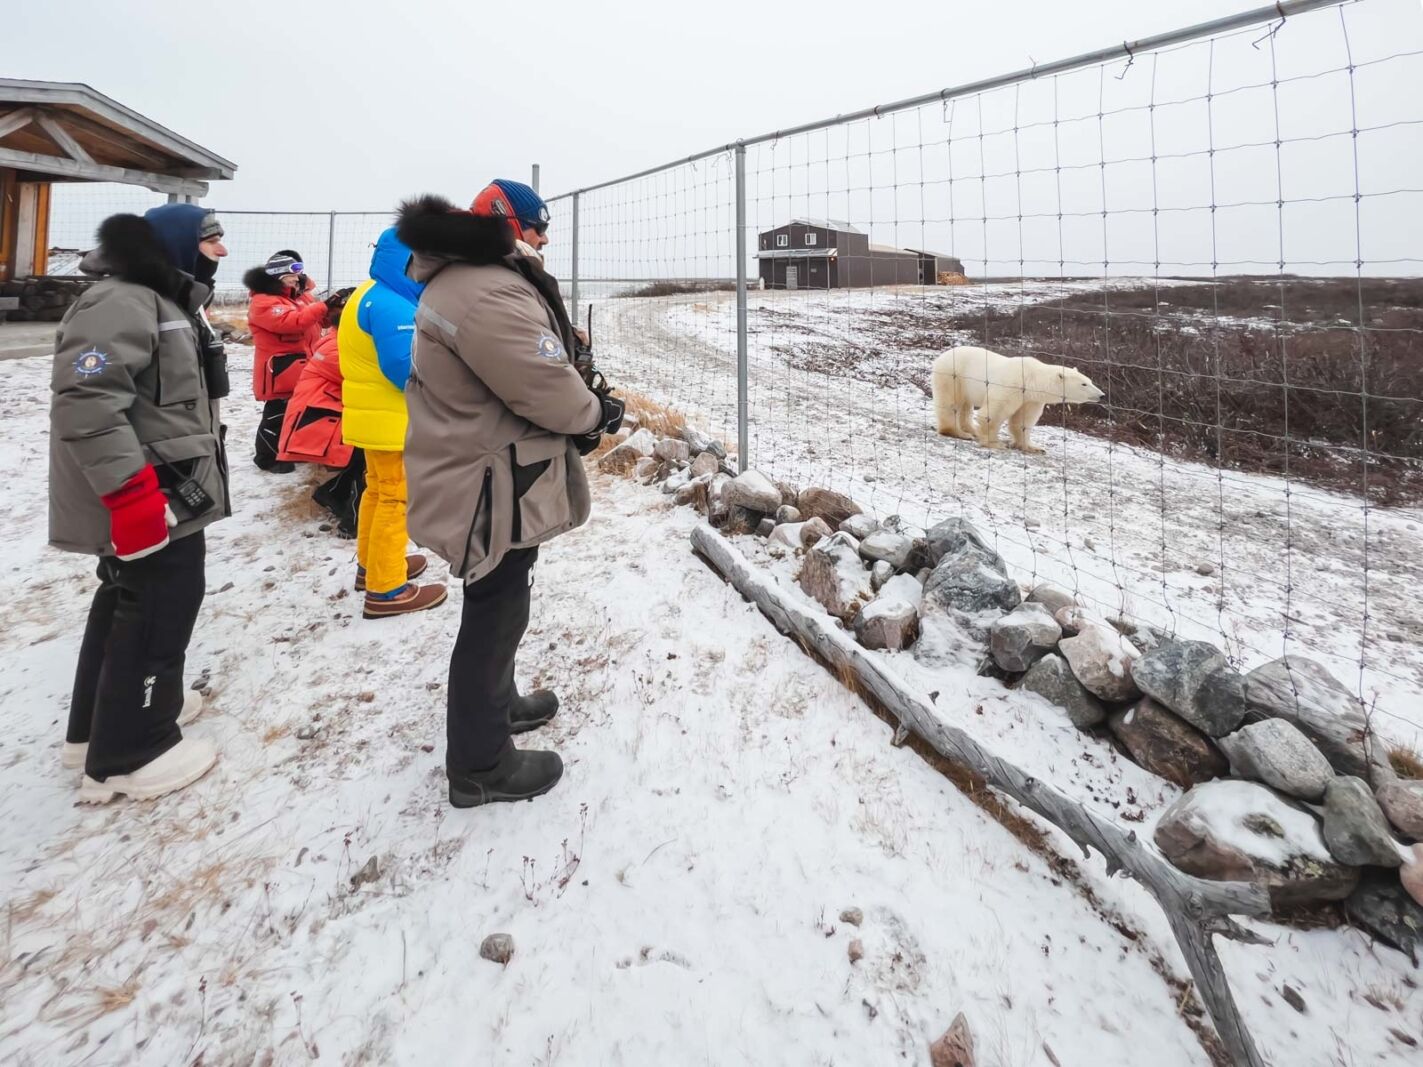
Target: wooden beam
[(16, 120), (97, 172), (1197, 909), (64, 139)]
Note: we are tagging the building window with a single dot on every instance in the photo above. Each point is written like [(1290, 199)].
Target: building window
[(810, 238), (783, 240)]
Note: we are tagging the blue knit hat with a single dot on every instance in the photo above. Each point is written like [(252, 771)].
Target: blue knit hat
[(504, 197), (179, 228)]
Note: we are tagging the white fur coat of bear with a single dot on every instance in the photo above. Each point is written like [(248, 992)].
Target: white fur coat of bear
[(1011, 389)]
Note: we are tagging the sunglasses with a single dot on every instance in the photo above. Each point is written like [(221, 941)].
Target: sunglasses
[(540, 228)]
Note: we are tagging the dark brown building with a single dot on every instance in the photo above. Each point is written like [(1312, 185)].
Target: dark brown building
[(826, 254)]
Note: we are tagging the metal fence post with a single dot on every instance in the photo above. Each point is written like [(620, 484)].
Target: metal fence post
[(535, 178), (573, 281), (741, 360), (330, 247)]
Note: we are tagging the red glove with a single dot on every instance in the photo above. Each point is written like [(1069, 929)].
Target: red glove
[(139, 516)]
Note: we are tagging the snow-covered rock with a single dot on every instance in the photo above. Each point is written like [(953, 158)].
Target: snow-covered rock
[(699, 442), (1302, 692), (676, 481), (1167, 745), (753, 491), (1355, 828), (672, 450), (971, 578), (1276, 753), (644, 468), (835, 577), (1023, 636), (1239, 831), (880, 572), (1102, 658), (891, 619), (1411, 875), (893, 548), (951, 536), (787, 513), (860, 526), (1074, 619), (624, 457), (1051, 678), (1196, 681)]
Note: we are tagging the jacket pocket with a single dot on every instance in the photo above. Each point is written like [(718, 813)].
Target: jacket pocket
[(541, 505), (481, 526), (178, 368), (283, 372), (194, 457)]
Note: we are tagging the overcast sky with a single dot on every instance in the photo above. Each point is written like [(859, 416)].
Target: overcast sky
[(352, 105), (355, 105)]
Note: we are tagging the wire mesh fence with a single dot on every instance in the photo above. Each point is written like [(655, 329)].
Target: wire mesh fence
[(1222, 232), (1220, 228)]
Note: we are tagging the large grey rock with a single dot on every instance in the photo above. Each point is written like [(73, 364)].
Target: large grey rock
[(891, 619), (1102, 658), (950, 536), (1052, 678), (894, 548), (834, 576), (1402, 803), (1355, 828), (860, 526), (672, 450), (1074, 619), (971, 578), (1196, 681), (705, 464), (699, 442), (754, 492), (1236, 831), (1052, 597), (718, 507), (676, 481), (787, 513), (1384, 910), (1411, 874), (826, 504), (1167, 745), (1302, 692), (1276, 753), (644, 468), (1023, 636)]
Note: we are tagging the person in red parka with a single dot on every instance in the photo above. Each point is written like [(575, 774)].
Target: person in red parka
[(311, 428), (285, 320)]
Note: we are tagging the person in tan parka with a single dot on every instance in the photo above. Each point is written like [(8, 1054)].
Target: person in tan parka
[(499, 419)]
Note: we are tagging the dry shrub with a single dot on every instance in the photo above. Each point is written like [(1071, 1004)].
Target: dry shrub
[(1406, 761), (680, 288), (656, 417)]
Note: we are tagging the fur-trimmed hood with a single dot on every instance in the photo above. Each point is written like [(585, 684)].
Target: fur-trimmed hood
[(439, 233), (258, 280), (130, 249)]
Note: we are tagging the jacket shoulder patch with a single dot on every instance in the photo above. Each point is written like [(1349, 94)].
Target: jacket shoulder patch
[(550, 347), (91, 363)]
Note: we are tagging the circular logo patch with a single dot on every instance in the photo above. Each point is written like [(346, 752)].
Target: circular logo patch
[(91, 362), (550, 347)]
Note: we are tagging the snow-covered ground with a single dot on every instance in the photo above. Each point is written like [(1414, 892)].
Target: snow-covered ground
[(675, 900), (1252, 563)]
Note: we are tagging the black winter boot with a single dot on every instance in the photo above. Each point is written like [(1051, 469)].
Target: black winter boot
[(532, 711), (520, 774)]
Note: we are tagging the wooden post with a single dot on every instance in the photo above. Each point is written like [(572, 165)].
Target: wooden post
[(1197, 909)]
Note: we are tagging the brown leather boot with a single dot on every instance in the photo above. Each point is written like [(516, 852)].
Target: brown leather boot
[(411, 598), (415, 565)]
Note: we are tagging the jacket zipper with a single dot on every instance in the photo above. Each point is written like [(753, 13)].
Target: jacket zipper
[(478, 507)]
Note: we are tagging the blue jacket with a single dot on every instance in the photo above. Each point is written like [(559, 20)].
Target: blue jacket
[(387, 312)]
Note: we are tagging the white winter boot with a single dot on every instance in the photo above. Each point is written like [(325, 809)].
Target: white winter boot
[(180, 766), (74, 753)]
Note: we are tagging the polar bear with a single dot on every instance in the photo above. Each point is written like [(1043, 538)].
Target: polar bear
[(1002, 388)]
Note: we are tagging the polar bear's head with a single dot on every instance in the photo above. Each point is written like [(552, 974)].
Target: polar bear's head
[(1076, 387)]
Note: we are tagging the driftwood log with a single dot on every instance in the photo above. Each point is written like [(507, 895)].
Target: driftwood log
[(1196, 908)]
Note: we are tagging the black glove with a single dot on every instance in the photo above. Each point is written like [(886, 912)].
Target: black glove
[(612, 419)]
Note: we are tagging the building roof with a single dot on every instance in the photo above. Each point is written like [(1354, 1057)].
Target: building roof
[(826, 224), (936, 255), (68, 131), (890, 250), (798, 253)]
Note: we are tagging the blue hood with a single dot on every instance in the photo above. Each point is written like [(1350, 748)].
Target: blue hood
[(178, 227), (388, 266)]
